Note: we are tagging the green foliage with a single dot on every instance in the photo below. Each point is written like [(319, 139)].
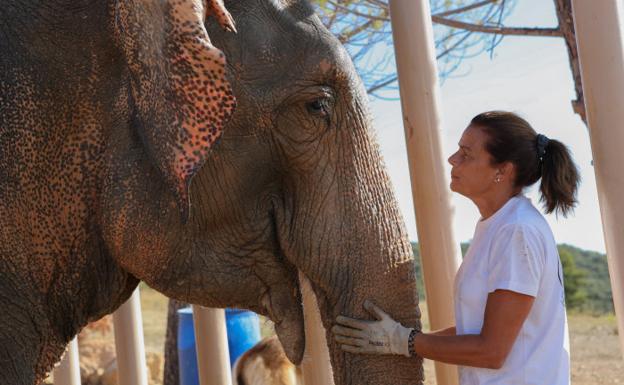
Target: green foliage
[(595, 283), (574, 281), (586, 278)]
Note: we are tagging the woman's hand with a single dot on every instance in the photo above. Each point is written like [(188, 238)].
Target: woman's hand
[(384, 336)]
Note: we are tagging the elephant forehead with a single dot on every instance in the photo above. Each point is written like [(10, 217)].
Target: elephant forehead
[(279, 35)]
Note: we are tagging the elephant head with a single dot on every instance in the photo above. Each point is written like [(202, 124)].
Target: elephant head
[(296, 183)]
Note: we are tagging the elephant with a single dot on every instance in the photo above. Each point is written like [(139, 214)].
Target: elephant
[(142, 140)]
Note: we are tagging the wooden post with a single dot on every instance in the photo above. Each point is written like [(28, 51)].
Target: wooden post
[(316, 365), (418, 84), (213, 356), (601, 55), (68, 371), (129, 344)]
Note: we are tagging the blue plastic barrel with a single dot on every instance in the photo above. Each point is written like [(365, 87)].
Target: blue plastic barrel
[(243, 330), (187, 355)]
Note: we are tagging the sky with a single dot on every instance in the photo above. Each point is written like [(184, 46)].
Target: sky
[(527, 75)]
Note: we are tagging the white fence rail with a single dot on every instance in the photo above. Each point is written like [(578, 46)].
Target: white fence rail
[(68, 370), (213, 360)]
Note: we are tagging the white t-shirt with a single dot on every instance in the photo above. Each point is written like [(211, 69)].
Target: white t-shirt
[(514, 249)]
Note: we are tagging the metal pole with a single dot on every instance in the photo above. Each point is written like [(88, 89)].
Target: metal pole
[(129, 345), (412, 33), (316, 365), (68, 371), (600, 43), (213, 356)]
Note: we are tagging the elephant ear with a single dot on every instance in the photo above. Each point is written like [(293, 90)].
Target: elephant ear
[(180, 96)]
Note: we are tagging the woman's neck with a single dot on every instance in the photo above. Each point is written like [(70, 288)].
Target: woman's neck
[(488, 205)]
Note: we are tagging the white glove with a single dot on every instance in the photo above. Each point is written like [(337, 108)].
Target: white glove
[(384, 336)]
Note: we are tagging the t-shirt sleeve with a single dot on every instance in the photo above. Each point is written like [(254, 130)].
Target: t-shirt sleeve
[(516, 260)]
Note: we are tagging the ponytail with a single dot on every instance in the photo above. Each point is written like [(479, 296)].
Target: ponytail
[(560, 179)]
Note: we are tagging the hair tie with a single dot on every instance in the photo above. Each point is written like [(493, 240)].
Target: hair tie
[(542, 143)]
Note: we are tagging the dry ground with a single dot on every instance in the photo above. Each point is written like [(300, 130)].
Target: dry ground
[(594, 346), (596, 358)]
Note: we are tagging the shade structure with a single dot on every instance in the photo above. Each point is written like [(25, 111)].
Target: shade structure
[(412, 34), (600, 44), (316, 365), (68, 371), (213, 357), (129, 342)]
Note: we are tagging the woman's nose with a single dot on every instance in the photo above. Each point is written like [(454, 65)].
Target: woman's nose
[(451, 159)]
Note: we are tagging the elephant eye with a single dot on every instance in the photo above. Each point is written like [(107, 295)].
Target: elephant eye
[(319, 107)]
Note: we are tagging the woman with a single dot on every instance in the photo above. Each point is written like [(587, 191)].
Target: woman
[(510, 316)]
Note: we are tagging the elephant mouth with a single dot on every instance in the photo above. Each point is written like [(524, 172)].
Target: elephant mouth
[(288, 322)]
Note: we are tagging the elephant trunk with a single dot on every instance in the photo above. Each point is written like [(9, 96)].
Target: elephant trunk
[(381, 268), (392, 287), (356, 248)]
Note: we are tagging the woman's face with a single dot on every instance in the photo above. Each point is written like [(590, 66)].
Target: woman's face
[(472, 174)]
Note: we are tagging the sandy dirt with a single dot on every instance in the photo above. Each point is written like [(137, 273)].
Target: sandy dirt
[(594, 346)]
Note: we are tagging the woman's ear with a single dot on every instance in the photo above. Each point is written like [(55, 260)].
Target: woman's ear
[(507, 171), (179, 91)]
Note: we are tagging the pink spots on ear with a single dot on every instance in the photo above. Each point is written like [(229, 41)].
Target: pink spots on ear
[(180, 90), (209, 105), (199, 82)]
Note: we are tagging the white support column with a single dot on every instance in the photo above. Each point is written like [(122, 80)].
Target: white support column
[(68, 371), (129, 344), (213, 356), (599, 36), (418, 84), (316, 365)]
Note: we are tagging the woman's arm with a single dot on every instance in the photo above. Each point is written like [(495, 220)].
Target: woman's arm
[(505, 312)]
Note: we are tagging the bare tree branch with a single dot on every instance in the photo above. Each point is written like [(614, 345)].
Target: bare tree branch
[(379, 3), (331, 20), (381, 85), (461, 31), (465, 9), (552, 32), (454, 46), (393, 79), (384, 5), (385, 18), (439, 19), (344, 37)]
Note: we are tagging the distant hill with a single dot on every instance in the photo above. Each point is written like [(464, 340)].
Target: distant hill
[(586, 277), (595, 282)]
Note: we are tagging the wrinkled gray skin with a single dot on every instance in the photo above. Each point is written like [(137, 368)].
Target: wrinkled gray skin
[(295, 183), (309, 182)]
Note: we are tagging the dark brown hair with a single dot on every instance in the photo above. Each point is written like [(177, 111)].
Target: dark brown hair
[(512, 139)]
